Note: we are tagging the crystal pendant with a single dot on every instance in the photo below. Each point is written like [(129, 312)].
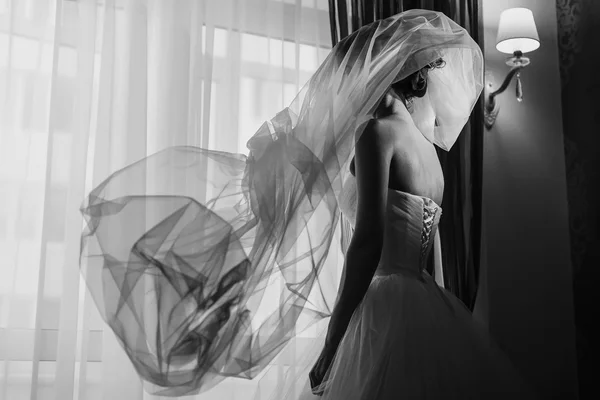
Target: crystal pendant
[(519, 88)]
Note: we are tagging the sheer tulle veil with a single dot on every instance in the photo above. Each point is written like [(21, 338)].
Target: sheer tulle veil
[(181, 246)]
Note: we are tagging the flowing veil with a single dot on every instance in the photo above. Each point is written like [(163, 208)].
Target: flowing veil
[(181, 246)]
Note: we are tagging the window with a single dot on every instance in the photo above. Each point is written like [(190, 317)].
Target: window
[(255, 71)]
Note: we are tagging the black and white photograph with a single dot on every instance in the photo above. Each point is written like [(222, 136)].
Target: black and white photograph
[(299, 199)]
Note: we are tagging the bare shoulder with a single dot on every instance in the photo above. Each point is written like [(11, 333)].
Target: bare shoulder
[(379, 140), (377, 133), (399, 128)]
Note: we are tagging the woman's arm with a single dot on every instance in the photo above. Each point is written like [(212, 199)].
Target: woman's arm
[(373, 156)]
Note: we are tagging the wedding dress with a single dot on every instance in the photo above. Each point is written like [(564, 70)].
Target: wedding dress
[(409, 338)]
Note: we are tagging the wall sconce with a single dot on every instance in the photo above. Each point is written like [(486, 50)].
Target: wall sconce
[(517, 34)]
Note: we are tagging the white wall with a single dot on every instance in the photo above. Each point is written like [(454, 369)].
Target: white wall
[(527, 293)]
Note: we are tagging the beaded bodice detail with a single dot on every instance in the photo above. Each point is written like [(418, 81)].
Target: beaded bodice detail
[(429, 213), (410, 228)]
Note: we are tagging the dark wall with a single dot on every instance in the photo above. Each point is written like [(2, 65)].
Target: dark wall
[(528, 273)]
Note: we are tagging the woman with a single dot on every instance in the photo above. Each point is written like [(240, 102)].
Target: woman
[(394, 333), (183, 246)]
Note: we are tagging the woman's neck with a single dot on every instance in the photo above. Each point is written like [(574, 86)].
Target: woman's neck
[(392, 104)]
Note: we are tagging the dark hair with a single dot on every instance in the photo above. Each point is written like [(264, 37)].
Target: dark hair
[(405, 85)]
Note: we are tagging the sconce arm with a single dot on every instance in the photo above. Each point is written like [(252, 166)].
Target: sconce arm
[(491, 98)]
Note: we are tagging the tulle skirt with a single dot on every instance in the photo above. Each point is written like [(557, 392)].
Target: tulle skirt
[(410, 339)]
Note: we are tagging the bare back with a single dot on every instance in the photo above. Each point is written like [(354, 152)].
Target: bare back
[(415, 167)]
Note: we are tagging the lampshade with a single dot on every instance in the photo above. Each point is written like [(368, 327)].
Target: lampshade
[(517, 31)]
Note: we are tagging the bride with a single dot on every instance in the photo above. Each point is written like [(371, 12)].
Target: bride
[(181, 247), (394, 333)]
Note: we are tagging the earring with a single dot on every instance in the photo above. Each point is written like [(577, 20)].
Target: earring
[(409, 104)]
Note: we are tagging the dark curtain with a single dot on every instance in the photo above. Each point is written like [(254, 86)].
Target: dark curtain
[(579, 57), (460, 225)]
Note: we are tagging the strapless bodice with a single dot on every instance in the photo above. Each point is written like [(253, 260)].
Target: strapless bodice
[(410, 228)]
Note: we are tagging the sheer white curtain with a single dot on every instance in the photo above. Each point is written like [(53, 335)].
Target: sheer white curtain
[(87, 87)]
